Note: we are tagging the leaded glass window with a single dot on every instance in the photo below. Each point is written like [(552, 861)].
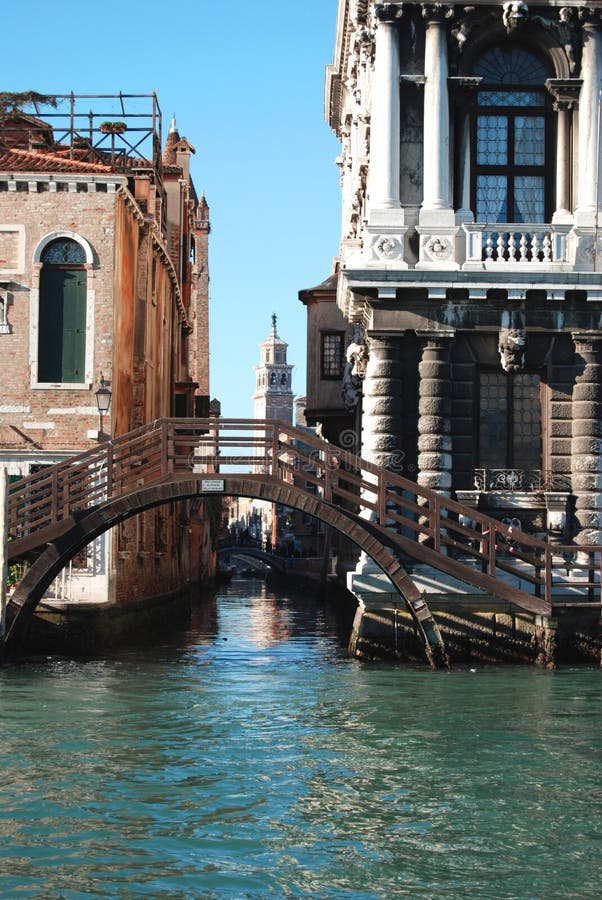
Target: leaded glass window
[(513, 174), (509, 420), (332, 354), (64, 251)]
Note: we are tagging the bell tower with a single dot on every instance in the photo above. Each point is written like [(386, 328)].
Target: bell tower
[(273, 397)]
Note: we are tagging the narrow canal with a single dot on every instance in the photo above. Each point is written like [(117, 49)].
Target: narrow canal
[(246, 756)]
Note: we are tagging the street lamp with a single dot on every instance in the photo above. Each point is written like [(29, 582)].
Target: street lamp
[(103, 401)]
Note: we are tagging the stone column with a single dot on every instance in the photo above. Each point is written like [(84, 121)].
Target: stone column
[(382, 403), (586, 444), (463, 95), (436, 205), (434, 422), (565, 93), (589, 120), (376, 617), (385, 119)]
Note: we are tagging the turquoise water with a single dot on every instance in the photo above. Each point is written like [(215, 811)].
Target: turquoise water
[(249, 757)]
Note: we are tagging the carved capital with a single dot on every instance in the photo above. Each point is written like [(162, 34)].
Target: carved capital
[(438, 339), (437, 12), (388, 12), (564, 91), (588, 344)]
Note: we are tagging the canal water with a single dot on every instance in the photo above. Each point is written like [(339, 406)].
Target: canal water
[(246, 756)]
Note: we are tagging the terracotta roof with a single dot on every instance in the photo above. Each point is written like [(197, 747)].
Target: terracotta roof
[(330, 284), (16, 160)]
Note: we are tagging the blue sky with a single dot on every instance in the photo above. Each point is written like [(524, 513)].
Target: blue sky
[(246, 83)]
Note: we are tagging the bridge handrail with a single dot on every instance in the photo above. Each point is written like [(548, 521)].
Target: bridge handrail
[(173, 447)]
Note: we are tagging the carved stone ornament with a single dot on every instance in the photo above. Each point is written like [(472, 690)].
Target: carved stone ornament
[(351, 390), (357, 355), (439, 248), (588, 15), (515, 15), (387, 12), (387, 246), (437, 12), (512, 349)]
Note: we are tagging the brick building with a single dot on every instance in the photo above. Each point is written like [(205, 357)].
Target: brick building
[(103, 279)]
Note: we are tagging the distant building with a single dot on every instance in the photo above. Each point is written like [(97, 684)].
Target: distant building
[(103, 280), (332, 399), (273, 397)]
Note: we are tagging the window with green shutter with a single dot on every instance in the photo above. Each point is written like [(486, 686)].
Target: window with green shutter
[(62, 313)]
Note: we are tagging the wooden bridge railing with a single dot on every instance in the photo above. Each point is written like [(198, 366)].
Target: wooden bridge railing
[(414, 519)]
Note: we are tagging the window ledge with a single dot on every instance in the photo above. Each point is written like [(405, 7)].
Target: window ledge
[(61, 386)]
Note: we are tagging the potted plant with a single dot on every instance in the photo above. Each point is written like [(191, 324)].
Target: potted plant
[(113, 127)]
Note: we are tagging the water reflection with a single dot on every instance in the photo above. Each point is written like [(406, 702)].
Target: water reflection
[(246, 756)]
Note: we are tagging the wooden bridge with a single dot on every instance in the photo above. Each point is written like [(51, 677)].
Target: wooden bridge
[(56, 512)]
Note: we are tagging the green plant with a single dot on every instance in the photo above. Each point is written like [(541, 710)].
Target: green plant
[(113, 127), (13, 102)]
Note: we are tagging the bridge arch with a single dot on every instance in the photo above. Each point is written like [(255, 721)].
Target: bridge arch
[(88, 524), (275, 563)]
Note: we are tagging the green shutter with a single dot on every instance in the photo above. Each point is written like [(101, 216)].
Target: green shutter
[(62, 326)]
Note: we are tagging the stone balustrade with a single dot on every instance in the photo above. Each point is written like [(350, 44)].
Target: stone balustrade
[(507, 243)]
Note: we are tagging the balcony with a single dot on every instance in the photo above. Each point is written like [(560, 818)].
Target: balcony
[(508, 245)]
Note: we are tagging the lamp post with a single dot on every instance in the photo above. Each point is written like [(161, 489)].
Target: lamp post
[(103, 401)]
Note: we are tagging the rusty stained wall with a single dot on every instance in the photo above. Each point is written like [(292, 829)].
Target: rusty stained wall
[(147, 328), (127, 228)]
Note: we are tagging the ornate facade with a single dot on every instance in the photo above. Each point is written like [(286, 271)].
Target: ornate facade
[(469, 275)]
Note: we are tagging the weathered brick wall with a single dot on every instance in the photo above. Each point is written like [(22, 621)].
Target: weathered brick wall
[(56, 417), (199, 305)]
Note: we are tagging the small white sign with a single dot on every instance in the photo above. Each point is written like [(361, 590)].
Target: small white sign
[(212, 485)]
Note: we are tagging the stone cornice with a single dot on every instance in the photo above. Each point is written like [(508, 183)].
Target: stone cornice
[(131, 203), (160, 246), (539, 5), (565, 91)]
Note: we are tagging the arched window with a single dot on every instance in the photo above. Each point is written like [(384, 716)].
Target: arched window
[(513, 177), (62, 313)]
